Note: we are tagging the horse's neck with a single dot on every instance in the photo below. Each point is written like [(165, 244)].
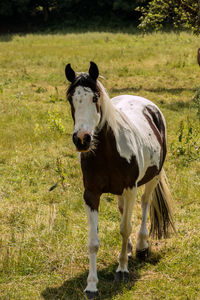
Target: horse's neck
[(105, 137), (119, 135), (109, 111), (116, 130)]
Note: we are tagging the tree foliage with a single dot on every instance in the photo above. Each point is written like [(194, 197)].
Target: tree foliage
[(152, 14), (74, 9), (181, 14), (14, 7)]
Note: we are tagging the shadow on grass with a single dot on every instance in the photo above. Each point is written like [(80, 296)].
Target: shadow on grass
[(178, 105), (173, 91), (8, 31), (73, 288), (6, 38), (126, 90)]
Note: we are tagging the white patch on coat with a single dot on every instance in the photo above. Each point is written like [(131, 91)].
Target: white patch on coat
[(136, 136), (86, 115), (93, 246)]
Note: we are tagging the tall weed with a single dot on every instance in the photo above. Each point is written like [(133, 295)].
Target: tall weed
[(187, 145)]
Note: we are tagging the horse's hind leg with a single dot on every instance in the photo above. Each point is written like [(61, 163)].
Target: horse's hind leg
[(121, 209), (142, 247), (128, 200)]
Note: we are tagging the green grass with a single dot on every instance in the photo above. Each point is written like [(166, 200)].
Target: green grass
[(43, 235)]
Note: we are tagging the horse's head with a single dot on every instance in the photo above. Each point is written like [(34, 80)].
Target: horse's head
[(84, 96)]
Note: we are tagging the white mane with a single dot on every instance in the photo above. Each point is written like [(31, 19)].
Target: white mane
[(109, 113)]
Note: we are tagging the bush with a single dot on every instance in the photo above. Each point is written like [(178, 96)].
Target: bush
[(182, 14)]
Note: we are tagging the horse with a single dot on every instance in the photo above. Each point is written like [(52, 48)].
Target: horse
[(122, 145), (198, 56)]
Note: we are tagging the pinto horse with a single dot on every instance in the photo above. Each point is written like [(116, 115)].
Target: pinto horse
[(122, 145)]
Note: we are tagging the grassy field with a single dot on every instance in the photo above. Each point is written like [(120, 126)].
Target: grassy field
[(43, 235)]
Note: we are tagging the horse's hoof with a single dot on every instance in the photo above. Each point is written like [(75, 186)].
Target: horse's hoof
[(126, 277), (121, 277), (91, 295), (142, 254)]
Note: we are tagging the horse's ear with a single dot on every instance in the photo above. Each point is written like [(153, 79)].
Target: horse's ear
[(69, 73), (93, 71)]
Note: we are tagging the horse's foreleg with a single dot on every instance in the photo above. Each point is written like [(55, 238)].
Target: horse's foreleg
[(128, 196), (93, 244), (142, 247)]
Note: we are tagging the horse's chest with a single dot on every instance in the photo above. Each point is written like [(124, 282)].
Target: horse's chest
[(111, 175)]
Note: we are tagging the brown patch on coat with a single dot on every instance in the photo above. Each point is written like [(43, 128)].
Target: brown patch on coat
[(151, 172), (156, 123), (92, 199)]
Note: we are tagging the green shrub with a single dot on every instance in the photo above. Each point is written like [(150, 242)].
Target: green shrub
[(187, 145), (55, 122)]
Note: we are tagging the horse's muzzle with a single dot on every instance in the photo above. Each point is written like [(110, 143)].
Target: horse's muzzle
[(82, 141)]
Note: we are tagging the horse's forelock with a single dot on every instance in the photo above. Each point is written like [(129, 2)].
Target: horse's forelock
[(84, 80)]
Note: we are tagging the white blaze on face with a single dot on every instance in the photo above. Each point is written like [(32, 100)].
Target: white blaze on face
[(86, 115)]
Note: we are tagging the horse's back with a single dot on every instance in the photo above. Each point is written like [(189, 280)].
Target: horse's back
[(130, 99), (141, 113), (134, 107)]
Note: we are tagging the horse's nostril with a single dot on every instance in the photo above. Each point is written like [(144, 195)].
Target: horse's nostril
[(87, 139)]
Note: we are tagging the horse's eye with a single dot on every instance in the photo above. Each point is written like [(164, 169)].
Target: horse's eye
[(95, 99)]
